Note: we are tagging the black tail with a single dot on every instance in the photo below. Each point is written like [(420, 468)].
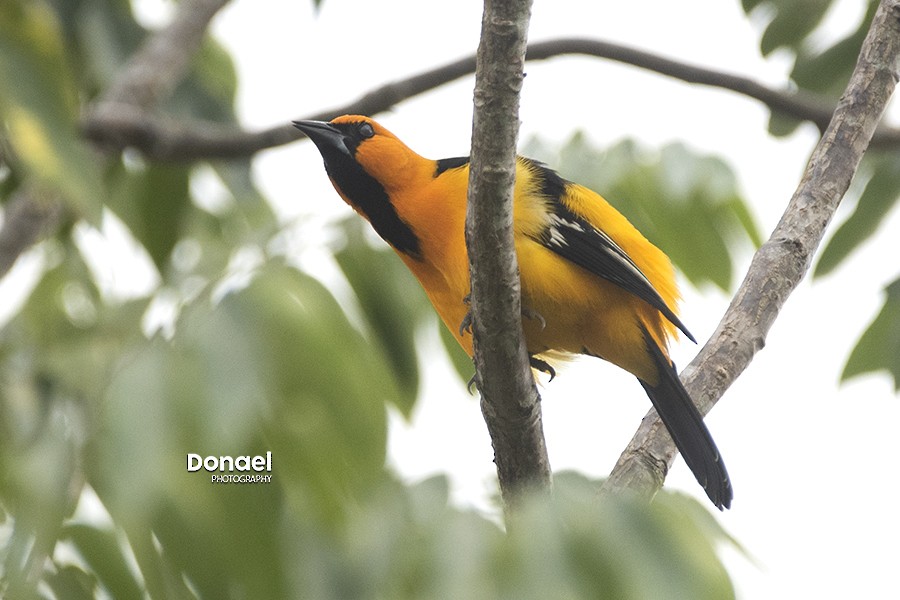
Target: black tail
[(685, 424)]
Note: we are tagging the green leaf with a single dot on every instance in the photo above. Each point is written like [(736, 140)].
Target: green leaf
[(781, 125), (128, 466), (258, 220), (40, 111), (795, 26), (209, 91), (103, 553), (275, 367), (879, 196), (821, 64), (277, 357), (67, 334), (750, 5), (329, 386), (71, 583), (879, 347), (161, 576), (40, 440), (622, 548), (828, 71), (103, 36), (216, 72), (200, 528), (404, 543), (153, 201), (792, 22), (392, 302)]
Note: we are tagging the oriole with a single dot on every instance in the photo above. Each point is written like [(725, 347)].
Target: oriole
[(599, 287)]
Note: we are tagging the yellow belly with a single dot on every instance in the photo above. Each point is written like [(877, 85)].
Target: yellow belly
[(567, 310)]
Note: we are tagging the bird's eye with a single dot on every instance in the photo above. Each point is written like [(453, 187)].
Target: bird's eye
[(366, 130)]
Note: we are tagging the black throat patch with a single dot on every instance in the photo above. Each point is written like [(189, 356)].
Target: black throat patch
[(367, 195)]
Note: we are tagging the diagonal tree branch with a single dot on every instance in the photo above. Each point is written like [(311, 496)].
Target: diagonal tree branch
[(784, 259), (509, 399), (163, 59)]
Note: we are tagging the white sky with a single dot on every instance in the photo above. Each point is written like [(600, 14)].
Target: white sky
[(811, 462)]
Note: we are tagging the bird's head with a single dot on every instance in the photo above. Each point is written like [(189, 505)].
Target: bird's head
[(354, 143), (367, 164)]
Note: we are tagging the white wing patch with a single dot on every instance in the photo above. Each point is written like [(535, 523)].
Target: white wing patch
[(557, 236), (556, 230)]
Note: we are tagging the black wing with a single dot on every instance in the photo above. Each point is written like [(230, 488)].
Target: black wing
[(576, 240)]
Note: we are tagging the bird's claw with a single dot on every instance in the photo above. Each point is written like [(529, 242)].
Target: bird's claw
[(473, 382), (534, 316), (542, 366), (536, 363), (466, 325)]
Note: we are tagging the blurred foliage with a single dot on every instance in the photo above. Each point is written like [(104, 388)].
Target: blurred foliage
[(796, 28), (235, 351), (876, 189), (395, 307), (39, 111), (686, 204)]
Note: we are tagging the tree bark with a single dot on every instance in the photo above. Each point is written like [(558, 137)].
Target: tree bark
[(510, 401)]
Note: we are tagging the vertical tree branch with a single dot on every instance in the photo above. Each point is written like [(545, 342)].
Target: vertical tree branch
[(784, 259), (510, 401)]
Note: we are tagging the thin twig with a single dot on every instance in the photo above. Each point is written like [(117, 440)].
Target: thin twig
[(164, 139), (509, 399), (784, 259)]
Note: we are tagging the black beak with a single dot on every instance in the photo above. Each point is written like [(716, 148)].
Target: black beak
[(324, 135)]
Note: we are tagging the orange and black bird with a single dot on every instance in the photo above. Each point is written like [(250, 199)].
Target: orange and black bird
[(599, 287)]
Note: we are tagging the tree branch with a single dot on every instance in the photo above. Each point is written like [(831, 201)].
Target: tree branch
[(163, 59), (27, 218), (509, 398), (784, 259), (164, 139), (801, 105)]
